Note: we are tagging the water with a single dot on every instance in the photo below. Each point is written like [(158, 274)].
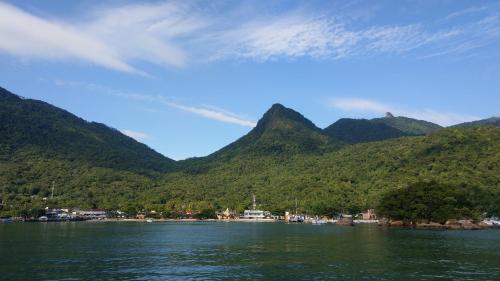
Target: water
[(243, 251)]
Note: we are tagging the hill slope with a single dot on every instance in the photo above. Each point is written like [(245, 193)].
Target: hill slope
[(351, 178), (493, 121), (30, 125)]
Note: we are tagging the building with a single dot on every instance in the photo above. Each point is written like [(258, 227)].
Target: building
[(91, 214), (227, 215), (369, 215)]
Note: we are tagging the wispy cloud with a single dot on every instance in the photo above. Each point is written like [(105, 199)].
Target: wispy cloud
[(369, 106), (138, 136), (205, 111), (356, 104), (180, 33), (222, 116)]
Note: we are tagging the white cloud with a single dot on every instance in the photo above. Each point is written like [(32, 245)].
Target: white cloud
[(374, 107), (138, 136), (25, 35), (355, 104), (180, 33)]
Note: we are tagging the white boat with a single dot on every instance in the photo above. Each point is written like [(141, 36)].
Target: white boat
[(149, 220), (43, 219), (255, 215)]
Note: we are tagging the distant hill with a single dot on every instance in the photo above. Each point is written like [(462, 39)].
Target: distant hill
[(493, 121), (409, 126), (32, 126), (389, 127), (361, 130)]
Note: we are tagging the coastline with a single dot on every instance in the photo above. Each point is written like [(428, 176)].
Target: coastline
[(449, 225)]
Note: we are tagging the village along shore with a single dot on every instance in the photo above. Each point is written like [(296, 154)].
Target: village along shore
[(252, 216)]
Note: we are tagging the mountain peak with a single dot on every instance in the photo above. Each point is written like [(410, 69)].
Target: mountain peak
[(281, 130), (389, 115), (279, 116)]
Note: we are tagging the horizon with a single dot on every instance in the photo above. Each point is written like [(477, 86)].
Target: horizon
[(170, 74)]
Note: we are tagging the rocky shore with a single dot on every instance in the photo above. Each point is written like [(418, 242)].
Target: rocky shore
[(450, 224)]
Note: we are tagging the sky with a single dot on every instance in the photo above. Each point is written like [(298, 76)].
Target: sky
[(189, 77)]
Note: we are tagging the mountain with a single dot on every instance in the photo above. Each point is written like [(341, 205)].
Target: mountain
[(493, 121), (36, 127), (283, 158), (362, 130), (281, 130)]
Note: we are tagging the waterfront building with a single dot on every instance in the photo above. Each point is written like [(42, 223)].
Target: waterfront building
[(256, 215)]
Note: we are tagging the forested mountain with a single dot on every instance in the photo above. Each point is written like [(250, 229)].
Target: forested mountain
[(284, 157), (34, 127), (493, 121), (389, 127), (361, 130)]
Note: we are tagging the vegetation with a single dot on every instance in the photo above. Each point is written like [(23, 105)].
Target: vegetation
[(283, 158), (434, 202)]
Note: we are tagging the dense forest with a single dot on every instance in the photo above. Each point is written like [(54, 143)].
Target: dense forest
[(435, 202), (285, 157)]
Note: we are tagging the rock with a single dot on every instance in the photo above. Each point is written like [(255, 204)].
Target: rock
[(345, 221), (484, 225), (434, 225), (397, 223)]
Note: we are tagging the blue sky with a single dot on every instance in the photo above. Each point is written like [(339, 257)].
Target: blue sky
[(189, 77)]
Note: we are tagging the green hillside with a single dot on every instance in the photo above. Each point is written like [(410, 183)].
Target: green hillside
[(351, 178)]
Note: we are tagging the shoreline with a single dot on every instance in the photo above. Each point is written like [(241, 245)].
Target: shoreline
[(450, 225)]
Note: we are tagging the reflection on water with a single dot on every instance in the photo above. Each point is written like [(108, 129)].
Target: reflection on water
[(215, 251)]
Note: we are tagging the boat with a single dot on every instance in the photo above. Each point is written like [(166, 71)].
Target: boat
[(43, 219), (255, 215), (294, 218), (149, 220), (318, 221)]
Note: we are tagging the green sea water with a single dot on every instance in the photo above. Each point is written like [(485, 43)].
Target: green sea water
[(242, 251)]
